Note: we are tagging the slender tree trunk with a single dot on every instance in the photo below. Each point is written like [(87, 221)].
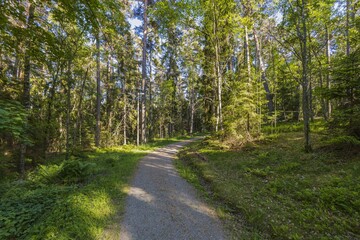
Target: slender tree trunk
[(151, 126), (218, 74), (50, 108), (248, 64), (328, 83), (26, 86), (138, 119), (68, 109), (302, 33), (144, 75), (192, 110), (347, 27), (311, 107), (98, 92), (349, 90), (219, 88), (324, 105), (109, 100), (269, 96), (125, 111), (78, 115), (215, 106)]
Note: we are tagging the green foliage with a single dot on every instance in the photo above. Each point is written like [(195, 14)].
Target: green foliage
[(13, 119), (344, 140), (22, 207), (74, 199), (75, 171), (345, 90), (317, 126), (282, 192), (68, 172), (45, 174)]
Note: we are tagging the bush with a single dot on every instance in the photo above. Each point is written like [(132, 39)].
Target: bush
[(345, 140), (22, 208), (68, 172), (75, 171)]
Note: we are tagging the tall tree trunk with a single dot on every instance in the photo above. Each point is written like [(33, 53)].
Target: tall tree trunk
[(324, 105), (143, 83), (192, 110), (218, 74), (328, 83), (219, 88), (269, 96), (125, 111), (302, 33), (109, 100), (50, 108), (79, 109), (68, 109), (347, 27), (26, 86), (138, 119), (151, 127), (248, 64), (98, 92)]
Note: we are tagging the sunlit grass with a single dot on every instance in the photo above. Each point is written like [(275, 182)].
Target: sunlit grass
[(280, 191), (45, 207)]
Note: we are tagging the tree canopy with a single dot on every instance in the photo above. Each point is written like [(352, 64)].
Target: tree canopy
[(78, 74)]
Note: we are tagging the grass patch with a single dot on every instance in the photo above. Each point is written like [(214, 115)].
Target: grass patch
[(82, 198), (273, 190)]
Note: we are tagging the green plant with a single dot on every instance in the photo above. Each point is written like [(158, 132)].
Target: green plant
[(75, 171), (280, 190), (13, 119), (344, 140), (68, 172), (22, 208)]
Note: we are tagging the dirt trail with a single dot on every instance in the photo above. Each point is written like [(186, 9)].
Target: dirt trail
[(162, 205)]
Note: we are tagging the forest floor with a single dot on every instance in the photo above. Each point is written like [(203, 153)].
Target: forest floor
[(80, 198), (272, 189), (268, 189), (162, 205)]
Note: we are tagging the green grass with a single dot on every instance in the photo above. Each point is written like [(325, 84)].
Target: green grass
[(271, 189), (78, 199)]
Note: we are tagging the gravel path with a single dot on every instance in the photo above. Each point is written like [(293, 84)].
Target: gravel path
[(162, 205)]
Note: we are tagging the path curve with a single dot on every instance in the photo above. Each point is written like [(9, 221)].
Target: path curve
[(162, 205)]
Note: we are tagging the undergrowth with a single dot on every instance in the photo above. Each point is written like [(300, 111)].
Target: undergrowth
[(271, 189), (80, 198)]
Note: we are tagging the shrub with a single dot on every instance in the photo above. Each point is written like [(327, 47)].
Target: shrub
[(20, 210), (75, 171), (345, 140), (68, 172)]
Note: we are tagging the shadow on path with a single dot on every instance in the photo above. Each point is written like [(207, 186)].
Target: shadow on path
[(162, 205)]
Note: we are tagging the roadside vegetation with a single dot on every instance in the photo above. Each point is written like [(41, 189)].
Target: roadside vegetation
[(272, 189), (80, 74), (79, 198)]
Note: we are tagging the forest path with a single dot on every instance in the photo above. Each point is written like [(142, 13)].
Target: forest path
[(162, 205)]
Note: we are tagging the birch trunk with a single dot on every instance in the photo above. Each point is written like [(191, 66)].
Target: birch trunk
[(143, 83), (218, 74), (247, 59), (328, 83), (264, 79), (98, 93)]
